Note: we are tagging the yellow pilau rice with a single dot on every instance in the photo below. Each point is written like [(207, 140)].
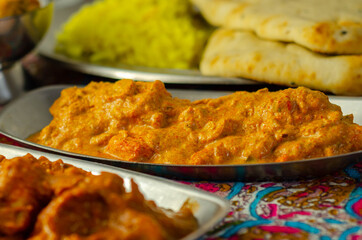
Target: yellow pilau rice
[(153, 33)]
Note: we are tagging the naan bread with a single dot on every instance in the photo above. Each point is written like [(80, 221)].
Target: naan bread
[(233, 53), (326, 26)]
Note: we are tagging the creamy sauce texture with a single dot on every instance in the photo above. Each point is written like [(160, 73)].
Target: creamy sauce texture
[(142, 122)]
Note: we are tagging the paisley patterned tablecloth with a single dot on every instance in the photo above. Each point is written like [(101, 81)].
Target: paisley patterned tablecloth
[(324, 208)]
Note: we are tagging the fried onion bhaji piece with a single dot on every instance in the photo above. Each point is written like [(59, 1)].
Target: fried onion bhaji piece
[(41, 199), (15, 237), (63, 176), (24, 190), (100, 208), (27, 185)]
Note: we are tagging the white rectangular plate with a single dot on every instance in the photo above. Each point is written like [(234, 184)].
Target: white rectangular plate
[(166, 193)]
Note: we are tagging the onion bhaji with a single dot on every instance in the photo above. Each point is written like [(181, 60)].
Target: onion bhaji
[(40, 199)]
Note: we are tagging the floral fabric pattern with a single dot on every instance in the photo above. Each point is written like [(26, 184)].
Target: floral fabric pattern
[(324, 208)]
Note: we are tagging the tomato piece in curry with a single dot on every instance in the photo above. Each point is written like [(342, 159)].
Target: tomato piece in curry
[(142, 122)]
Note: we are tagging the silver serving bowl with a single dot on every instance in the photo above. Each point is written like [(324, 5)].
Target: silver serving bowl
[(19, 35)]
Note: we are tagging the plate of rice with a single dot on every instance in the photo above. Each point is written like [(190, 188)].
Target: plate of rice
[(140, 39)]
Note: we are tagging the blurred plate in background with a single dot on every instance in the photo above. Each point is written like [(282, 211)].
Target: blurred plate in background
[(62, 12)]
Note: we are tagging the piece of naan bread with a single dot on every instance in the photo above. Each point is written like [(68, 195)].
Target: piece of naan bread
[(233, 53), (326, 26)]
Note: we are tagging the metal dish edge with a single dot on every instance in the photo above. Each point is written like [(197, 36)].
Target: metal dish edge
[(29, 114)]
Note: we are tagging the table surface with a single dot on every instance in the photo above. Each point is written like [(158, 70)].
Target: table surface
[(324, 208)]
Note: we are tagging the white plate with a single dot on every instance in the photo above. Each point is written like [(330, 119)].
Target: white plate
[(62, 12), (167, 194)]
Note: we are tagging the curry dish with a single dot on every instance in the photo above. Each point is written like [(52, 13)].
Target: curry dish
[(142, 122), (40, 199)]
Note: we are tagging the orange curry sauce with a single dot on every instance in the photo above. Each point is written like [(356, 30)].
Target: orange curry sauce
[(137, 121)]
